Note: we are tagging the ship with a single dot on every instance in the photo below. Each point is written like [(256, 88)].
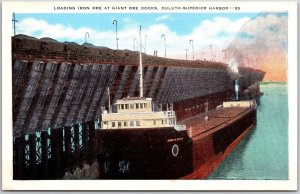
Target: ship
[(151, 145), (141, 143), (62, 93)]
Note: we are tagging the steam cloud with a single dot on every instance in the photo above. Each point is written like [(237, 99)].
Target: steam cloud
[(266, 33), (233, 65)]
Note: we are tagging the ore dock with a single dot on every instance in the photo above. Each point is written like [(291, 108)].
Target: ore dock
[(60, 91)]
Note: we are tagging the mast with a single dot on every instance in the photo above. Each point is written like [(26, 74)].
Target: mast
[(141, 66), (108, 94)]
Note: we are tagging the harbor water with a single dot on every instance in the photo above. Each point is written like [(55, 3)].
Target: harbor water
[(263, 153)]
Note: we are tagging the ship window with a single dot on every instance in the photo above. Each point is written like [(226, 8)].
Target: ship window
[(145, 105), (162, 122), (119, 124), (122, 106), (125, 123), (113, 124), (132, 106), (154, 122), (137, 106), (138, 123), (126, 106), (105, 122), (131, 123)]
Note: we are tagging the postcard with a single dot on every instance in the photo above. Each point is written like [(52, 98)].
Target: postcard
[(145, 95)]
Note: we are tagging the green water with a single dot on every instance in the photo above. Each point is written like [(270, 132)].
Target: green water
[(263, 153)]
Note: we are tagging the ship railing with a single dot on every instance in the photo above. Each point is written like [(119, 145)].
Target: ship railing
[(169, 114)]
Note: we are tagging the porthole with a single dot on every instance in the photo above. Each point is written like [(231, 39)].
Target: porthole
[(175, 150)]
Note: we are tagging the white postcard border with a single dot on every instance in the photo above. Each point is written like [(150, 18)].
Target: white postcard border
[(47, 7)]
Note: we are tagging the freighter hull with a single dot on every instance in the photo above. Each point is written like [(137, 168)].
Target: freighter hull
[(169, 154)]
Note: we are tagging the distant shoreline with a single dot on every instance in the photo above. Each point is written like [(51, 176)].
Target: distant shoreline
[(270, 82)]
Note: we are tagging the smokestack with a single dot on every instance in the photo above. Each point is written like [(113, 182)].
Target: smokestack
[(236, 89)]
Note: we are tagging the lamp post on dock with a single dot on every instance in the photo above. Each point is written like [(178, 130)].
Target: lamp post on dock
[(116, 22), (14, 22), (242, 61), (211, 55), (224, 51), (202, 56), (134, 39), (186, 50), (191, 41), (87, 35), (145, 44), (249, 62), (163, 35)]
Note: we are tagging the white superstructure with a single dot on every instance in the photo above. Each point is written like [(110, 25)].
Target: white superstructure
[(138, 113)]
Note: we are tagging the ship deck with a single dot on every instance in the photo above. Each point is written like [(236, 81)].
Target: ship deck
[(197, 126)]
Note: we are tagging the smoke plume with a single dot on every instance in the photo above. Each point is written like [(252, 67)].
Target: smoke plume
[(258, 44)]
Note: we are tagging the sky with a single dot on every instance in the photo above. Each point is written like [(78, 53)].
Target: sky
[(204, 29)]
